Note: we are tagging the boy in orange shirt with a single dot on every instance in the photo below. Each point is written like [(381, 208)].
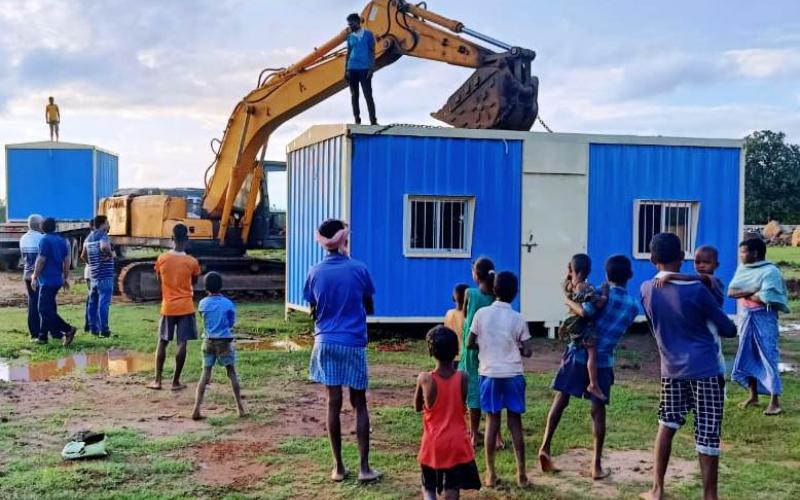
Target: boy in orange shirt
[(176, 271)]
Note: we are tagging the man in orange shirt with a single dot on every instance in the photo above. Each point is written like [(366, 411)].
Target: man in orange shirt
[(52, 116), (176, 271)]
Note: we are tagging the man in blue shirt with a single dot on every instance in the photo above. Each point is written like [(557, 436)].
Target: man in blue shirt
[(339, 290), (99, 256), (29, 248), (572, 378), (360, 65), (50, 273), (691, 378)]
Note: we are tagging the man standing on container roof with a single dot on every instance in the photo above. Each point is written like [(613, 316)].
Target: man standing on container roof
[(52, 116), (360, 65), (29, 248)]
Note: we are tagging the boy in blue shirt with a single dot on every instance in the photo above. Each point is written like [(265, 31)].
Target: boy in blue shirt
[(219, 316), (691, 379), (360, 65)]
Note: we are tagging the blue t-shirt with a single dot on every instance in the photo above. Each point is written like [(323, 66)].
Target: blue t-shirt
[(337, 286), (219, 316), (611, 322), (54, 249), (101, 265), (361, 49), (679, 314), (29, 248)]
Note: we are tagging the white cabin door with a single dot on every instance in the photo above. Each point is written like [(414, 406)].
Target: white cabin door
[(554, 224)]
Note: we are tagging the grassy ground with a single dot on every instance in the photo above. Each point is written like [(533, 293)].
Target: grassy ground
[(761, 457)]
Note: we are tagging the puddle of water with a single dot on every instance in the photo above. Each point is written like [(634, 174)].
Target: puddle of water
[(112, 363), (273, 345), (789, 327)]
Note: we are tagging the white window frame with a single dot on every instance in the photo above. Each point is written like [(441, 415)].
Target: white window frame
[(693, 219), (466, 253)]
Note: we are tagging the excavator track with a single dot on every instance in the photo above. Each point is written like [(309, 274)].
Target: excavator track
[(240, 275)]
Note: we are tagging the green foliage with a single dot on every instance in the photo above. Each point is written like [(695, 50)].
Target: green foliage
[(772, 178)]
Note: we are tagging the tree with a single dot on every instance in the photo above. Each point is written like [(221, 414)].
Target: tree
[(772, 178)]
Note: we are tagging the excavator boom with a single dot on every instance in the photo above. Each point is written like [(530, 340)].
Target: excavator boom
[(501, 93)]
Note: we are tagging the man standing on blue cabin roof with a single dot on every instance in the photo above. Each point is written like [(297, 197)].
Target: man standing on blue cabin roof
[(359, 66)]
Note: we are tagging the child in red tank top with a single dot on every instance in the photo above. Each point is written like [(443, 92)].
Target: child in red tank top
[(445, 454)]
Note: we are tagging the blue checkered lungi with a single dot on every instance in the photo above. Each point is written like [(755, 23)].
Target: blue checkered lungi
[(335, 364)]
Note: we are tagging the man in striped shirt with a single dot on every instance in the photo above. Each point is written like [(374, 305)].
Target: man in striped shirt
[(97, 252), (29, 248)]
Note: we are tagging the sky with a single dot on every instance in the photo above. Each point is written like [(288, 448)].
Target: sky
[(156, 80)]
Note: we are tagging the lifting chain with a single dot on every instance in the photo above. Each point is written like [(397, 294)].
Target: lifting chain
[(539, 117)]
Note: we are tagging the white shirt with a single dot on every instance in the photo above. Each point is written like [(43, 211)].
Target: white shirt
[(500, 332)]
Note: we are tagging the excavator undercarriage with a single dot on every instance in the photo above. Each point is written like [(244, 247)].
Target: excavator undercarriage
[(501, 93)]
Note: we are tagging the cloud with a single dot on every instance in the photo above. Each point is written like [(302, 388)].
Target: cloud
[(765, 63)]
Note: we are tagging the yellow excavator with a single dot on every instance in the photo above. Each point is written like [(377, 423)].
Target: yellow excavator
[(234, 216)]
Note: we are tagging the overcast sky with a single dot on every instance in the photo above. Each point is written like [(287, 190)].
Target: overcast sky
[(155, 80)]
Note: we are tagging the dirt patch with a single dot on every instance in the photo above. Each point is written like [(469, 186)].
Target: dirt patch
[(626, 466), (231, 464)]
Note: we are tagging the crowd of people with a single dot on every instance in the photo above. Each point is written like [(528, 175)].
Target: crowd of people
[(479, 349)]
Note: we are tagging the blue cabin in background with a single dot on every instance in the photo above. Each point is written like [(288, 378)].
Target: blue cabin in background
[(58, 179), (423, 203)]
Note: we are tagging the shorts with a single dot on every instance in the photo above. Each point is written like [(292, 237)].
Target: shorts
[(499, 394), (218, 351), (184, 326), (572, 378), (706, 398), (336, 364), (460, 477)]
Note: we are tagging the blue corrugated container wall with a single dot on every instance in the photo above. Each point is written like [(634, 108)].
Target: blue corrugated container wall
[(315, 194), (64, 181), (621, 174), (107, 177), (386, 169)]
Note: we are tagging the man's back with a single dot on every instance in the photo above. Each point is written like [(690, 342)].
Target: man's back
[(679, 313), (101, 262), (337, 286), (54, 249), (176, 271), (29, 248)]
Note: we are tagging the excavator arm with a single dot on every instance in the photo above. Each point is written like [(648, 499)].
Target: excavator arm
[(500, 94)]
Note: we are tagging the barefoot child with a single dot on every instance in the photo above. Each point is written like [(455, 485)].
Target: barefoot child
[(219, 316), (176, 271), (578, 329), (476, 298), (612, 321), (759, 284), (454, 319), (690, 381), (500, 336), (445, 454)]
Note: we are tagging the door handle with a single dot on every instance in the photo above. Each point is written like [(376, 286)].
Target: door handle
[(530, 244)]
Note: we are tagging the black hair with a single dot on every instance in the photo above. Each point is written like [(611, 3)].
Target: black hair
[(180, 232), (49, 225), (442, 343), (330, 227), (459, 292), (212, 282), (666, 248), (710, 249), (353, 17), (484, 270), (756, 245), (506, 286), (99, 221), (619, 269), (581, 264)]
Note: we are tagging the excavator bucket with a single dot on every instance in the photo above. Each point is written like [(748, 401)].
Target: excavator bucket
[(500, 95)]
